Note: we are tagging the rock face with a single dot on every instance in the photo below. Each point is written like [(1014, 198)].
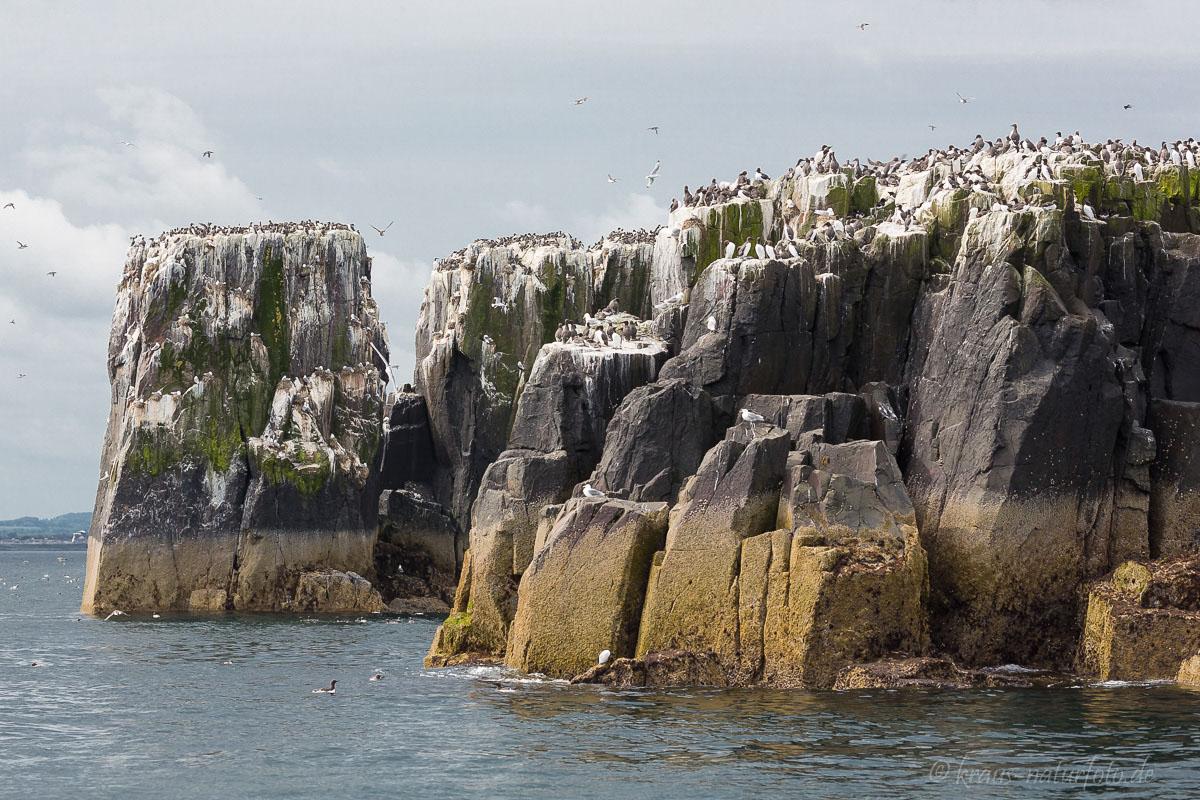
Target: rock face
[(325, 590), (974, 375), (663, 669), (246, 415), (583, 593)]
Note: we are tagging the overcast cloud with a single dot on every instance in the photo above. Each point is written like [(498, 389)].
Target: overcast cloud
[(455, 120)]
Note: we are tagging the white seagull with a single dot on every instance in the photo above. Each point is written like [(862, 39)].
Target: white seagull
[(604, 656), (611, 179), (751, 417), (962, 99), (653, 174), (115, 613), (382, 231), (588, 491), (711, 324)]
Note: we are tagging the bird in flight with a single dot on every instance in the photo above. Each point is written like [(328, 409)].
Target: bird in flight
[(580, 101), (21, 245), (382, 231), (862, 26), (129, 144), (962, 99), (653, 128), (51, 273), (611, 179), (1127, 106), (206, 154), (20, 375), (933, 127), (10, 205), (653, 174)]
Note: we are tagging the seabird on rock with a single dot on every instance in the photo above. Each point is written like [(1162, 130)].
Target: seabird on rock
[(711, 323), (749, 416), (730, 249), (759, 251), (604, 656), (588, 491), (330, 690)]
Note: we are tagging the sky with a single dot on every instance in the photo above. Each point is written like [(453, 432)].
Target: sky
[(456, 121)]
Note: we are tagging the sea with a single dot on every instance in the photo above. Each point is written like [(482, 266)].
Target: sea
[(223, 707)]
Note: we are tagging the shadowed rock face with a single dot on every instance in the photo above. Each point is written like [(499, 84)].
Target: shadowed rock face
[(246, 414)]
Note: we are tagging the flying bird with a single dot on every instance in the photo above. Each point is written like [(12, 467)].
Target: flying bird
[(580, 101), (653, 128), (962, 99), (382, 231), (933, 127), (653, 174), (10, 205), (1127, 106), (21, 245), (52, 273), (862, 26), (206, 154), (129, 144), (20, 375), (611, 179), (115, 613)]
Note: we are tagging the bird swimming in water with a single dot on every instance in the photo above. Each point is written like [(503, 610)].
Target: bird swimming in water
[(378, 676), (588, 491), (323, 690)]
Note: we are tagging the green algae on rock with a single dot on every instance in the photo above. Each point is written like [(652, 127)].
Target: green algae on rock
[(242, 432)]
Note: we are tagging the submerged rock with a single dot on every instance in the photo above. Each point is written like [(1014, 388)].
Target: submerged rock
[(664, 668), (246, 415)]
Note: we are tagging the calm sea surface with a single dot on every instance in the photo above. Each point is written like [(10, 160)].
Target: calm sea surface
[(141, 707)]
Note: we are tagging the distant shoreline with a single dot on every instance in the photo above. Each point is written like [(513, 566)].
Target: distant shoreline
[(10, 544)]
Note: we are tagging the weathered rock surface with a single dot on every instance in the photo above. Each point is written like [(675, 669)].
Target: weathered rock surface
[(418, 550), (664, 668), (1189, 672), (246, 414), (925, 672), (330, 590), (1143, 620), (583, 593), (557, 439)]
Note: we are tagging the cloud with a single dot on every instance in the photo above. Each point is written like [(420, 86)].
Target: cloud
[(162, 180), (56, 414), (525, 216), (637, 211), (398, 288)]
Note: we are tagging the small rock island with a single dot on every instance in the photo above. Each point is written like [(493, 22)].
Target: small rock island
[(862, 424)]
